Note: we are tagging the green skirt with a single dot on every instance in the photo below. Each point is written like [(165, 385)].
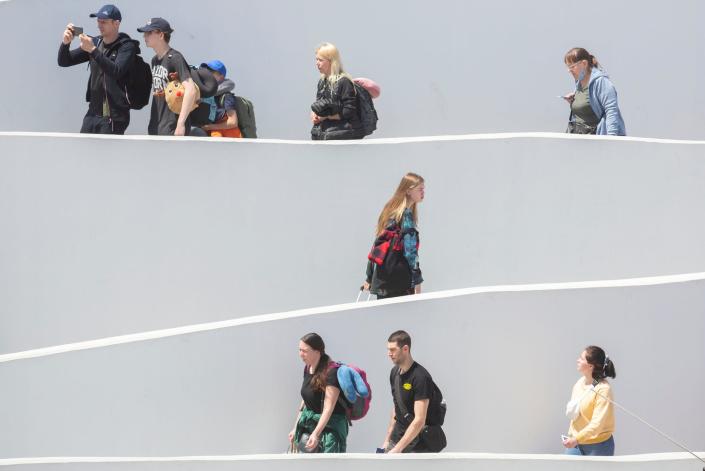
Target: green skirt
[(334, 435)]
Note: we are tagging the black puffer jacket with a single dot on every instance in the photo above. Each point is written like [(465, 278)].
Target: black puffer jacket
[(343, 101), (113, 64)]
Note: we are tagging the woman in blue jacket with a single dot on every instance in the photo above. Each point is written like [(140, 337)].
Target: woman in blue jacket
[(593, 104)]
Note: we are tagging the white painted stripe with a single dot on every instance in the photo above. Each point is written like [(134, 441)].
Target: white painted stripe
[(348, 456), (258, 319), (372, 141)]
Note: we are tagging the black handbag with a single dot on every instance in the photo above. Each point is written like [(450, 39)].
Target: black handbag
[(434, 438)]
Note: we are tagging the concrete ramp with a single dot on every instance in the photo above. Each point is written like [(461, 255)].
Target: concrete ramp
[(503, 356), (460, 67), (106, 236)]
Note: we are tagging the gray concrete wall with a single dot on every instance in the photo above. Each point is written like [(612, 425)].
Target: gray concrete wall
[(454, 67), (505, 362), (107, 236)]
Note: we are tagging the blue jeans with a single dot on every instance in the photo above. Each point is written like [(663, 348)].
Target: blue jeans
[(605, 448)]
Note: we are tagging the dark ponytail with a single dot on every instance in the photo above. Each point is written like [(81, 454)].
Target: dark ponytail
[(313, 340), (602, 365), (578, 54)]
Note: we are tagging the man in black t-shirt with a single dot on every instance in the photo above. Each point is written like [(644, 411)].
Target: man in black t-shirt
[(162, 121), (413, 385)]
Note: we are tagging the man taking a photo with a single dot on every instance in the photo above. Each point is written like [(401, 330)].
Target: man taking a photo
[(111, 55)]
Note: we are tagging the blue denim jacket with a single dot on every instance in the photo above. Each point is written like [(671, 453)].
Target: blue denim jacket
[(603, 101), (411, 253)]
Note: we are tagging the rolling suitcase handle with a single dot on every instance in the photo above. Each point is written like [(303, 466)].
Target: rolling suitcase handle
[(362, 288)]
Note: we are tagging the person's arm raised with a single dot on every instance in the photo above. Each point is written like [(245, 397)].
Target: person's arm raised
[(68, 57)]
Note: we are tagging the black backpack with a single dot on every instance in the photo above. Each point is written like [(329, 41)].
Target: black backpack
[(394, 274), (138, 86), (436, 414), (368, 113), (138, 83)]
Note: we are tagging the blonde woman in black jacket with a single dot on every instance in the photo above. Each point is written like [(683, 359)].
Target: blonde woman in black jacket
[(335, 113)]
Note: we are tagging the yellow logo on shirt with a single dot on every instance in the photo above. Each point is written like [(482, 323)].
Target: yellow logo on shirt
[(407, 386)]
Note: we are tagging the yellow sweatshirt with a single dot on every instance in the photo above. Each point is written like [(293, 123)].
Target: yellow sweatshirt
[(595, 423)]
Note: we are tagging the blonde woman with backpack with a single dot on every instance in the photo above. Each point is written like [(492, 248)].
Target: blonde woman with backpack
[(335, 114), (393, 266)]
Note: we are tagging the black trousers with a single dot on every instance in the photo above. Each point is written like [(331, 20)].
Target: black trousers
[(93, 124)]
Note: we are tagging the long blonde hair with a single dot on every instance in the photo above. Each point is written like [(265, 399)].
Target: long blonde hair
[(394, 209), (329, 52)]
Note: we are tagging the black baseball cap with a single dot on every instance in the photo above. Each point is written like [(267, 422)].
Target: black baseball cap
[(156, 24), (107, 12)]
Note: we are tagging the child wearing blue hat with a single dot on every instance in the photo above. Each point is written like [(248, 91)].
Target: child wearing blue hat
[(223, 114)]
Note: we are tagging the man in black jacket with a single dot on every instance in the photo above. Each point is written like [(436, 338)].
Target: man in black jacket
[(111, 55)]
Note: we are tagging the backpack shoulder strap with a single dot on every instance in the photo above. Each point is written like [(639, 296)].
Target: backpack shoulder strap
[(397, 398), (235, 99), (355, 86)]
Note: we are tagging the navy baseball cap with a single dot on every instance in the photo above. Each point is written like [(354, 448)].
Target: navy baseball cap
[(156, 24), (107, 12), (216, 66)]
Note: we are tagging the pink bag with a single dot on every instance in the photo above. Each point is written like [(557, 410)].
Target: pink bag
[(369, 85)]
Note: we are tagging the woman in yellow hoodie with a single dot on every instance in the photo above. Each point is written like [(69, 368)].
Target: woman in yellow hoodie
[(590, 411)]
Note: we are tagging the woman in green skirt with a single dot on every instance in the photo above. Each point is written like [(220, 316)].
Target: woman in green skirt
[(321, 416)]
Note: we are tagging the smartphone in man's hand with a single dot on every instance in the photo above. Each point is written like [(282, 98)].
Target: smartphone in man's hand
[(77, 30)]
